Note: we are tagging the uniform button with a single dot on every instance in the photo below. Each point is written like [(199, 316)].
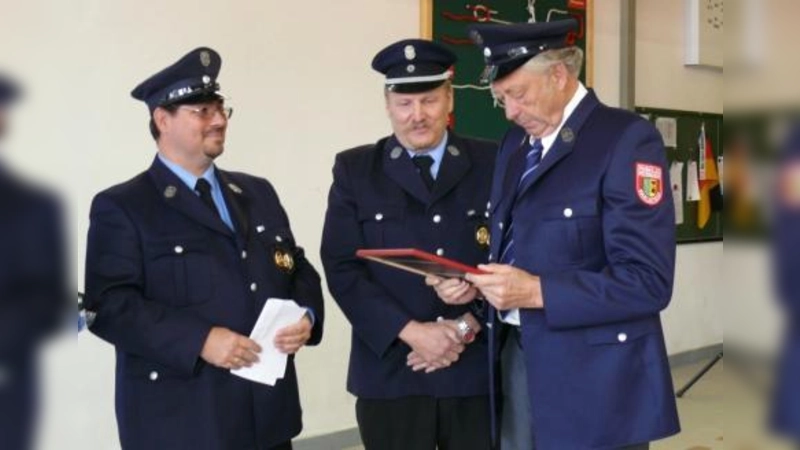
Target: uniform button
[(178, 249), (491, 257), (153, 375), (500, 225), (567, 212), (244, 254), (253, 287), (260, 228), (437, 218), (488, 205), (622, 337), (440, 252), (379, 217)]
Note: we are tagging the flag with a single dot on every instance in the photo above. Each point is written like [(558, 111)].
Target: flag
[(707, 176)]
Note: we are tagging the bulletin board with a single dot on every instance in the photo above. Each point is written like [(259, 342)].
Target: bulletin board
[(681, 131), (447, 22)]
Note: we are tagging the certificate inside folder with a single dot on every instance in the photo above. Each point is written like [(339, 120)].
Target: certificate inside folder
[(418, 262)]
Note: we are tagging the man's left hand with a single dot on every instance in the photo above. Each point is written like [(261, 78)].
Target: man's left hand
[(290, 339), (507, 287)]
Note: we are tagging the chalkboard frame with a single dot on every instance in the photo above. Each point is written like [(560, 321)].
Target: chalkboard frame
[(476, 114), (426, 32), (714, 129)]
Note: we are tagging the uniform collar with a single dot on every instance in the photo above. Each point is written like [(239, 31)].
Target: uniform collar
[(572, 105), (187, 177), (437, 152)]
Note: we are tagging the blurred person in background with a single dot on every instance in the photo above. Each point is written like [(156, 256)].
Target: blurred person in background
[(785, 418), (33, 292)]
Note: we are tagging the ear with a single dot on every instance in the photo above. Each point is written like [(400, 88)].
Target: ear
[(161, 119), (450, 98), (560, 75)]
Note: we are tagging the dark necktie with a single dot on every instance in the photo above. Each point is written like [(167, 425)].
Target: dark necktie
[(203, 187), (424, 163), (532, 159)]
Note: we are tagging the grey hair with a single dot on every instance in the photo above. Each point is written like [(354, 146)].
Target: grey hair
[(571, 57)]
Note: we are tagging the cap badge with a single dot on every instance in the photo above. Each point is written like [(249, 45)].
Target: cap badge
[(410, 52), (205, 58)]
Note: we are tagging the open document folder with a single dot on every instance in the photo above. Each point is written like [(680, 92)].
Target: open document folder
[(271, 365)]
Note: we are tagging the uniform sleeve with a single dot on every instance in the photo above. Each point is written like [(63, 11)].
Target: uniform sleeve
[(115, 293), (377, 318), (639, 239), (306, 282)]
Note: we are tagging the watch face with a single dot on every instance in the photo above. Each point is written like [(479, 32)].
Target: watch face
[(469, 336)]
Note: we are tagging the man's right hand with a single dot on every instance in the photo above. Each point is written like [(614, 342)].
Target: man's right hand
[(438, 344), (229, 350), (453, 291)]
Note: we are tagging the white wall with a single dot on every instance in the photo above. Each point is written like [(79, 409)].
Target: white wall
[(302, 89), (694, 318)]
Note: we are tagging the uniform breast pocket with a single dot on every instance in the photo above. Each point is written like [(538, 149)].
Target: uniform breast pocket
[(283, 256), (179, 272), (571, 232), (382, 226)]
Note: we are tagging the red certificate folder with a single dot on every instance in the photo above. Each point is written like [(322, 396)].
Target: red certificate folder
[(418, 262)]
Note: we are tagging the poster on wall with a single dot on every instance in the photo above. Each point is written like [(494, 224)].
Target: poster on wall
[(704, 33)]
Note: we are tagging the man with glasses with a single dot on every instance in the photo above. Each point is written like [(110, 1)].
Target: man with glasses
[(181, 260), (583, 254)]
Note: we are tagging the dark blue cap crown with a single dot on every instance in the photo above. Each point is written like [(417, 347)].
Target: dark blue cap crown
[(414, 65), (507, 47), (193, 76)]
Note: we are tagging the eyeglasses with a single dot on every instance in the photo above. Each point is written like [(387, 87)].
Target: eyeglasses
[(517, 97), (207, 112)]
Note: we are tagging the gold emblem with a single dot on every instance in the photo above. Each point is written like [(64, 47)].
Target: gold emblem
[(567, 135), (482, 236), (284, 260), (205, 58)]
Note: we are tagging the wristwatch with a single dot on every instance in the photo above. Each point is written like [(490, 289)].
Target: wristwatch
[(465, 331)]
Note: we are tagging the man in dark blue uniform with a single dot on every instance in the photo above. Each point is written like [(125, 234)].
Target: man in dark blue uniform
[(180, 262), (583, 252), (33, 293), (785, 418), (420, 379)]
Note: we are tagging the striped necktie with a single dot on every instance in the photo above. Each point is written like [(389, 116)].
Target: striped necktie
[(532, 160)]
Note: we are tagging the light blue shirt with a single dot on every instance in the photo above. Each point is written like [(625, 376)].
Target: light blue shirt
[(437, 153), (191, 181)]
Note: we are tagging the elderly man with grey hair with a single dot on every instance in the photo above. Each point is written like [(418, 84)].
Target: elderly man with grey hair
[(582, 257)]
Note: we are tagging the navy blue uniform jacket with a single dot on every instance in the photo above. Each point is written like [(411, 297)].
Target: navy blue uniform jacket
[(162, 269), (380, 201)]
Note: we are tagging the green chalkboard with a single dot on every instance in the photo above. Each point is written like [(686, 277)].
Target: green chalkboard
[(686, 150), (447, 21)]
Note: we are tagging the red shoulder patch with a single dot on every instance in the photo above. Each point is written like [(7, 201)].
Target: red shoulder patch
[(649, 183)]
